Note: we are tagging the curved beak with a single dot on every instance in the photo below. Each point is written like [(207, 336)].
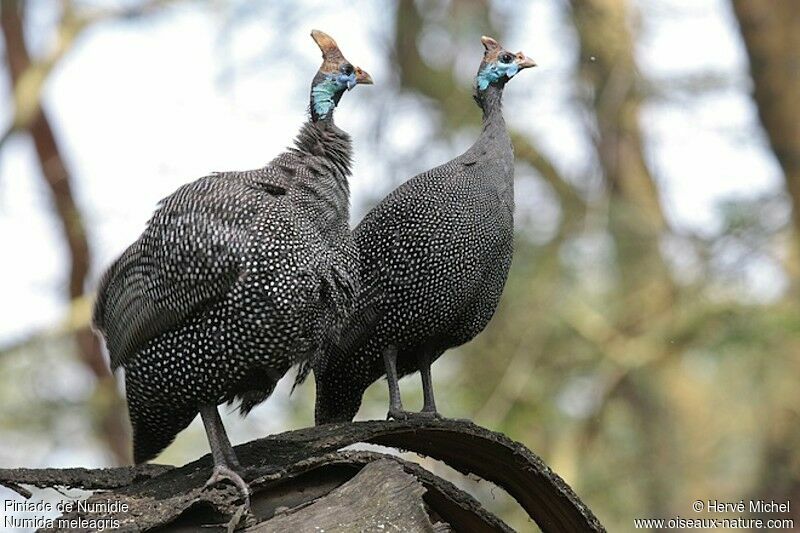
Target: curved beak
[(363, 77), (525, 61)]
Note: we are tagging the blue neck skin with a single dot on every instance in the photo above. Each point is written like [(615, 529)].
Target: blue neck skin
[(494, 72), (326, 93)]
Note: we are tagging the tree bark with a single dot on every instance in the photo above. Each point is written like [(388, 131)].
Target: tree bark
[(381, 494), (293, 469)]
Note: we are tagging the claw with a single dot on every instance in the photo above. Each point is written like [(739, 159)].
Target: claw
[(398, 414), (224, 473)]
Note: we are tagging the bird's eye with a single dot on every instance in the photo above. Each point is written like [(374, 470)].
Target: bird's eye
[(506, 58), (347, 69)]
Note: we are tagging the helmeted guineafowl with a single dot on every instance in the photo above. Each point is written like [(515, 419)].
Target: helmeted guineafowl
[(237, 277), (435, 255)]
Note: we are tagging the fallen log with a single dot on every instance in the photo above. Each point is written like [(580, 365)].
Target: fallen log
[(294, 475)]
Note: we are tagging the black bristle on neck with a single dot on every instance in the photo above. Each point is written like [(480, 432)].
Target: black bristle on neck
[(323, 138)]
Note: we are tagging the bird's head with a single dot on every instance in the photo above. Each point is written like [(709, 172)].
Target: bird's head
[(499, 65), (335, 76)]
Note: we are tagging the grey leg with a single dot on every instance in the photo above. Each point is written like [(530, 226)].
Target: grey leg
[(221, 448), (222, 452), (429, 404), (395, 402)]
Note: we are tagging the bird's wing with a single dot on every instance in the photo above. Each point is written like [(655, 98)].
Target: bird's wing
[(189, 255)]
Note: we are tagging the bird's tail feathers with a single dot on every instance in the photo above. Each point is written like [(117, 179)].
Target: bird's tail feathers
[(251, 399)]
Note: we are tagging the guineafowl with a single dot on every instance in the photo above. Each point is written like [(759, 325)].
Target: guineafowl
[(435, 255), (237, 277)]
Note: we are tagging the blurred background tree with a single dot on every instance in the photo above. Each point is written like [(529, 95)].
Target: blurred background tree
[(647, 342)]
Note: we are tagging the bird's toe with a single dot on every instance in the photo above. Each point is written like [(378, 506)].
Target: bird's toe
[(398, 414), (224, 473)]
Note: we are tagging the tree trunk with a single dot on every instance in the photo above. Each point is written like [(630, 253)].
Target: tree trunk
[(771, 33)]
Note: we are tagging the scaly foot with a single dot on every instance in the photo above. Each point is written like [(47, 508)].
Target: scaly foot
[(429, 414), (224, 473), (398, 414)]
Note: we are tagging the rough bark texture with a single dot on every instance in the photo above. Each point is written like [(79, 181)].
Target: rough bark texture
[(289, 471), (381, 494)]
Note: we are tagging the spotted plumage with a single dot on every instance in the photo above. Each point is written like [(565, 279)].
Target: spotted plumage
[(237, 277), (435, 255)]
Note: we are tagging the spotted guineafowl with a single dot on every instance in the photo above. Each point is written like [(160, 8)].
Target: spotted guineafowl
[(435, 255), (236, 278)]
